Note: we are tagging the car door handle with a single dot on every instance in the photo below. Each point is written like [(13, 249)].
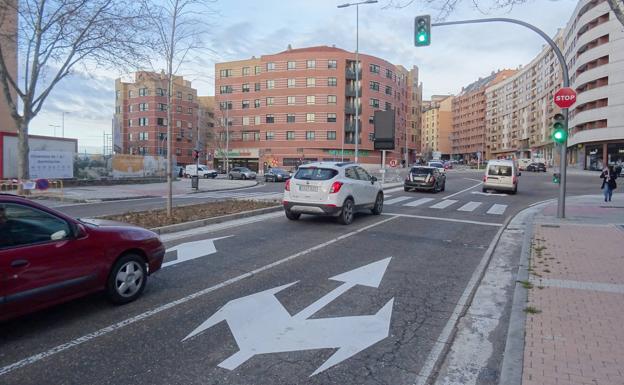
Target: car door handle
[(19, 263)]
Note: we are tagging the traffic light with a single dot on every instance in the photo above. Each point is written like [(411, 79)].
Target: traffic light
[(559, 131), (422, 30)]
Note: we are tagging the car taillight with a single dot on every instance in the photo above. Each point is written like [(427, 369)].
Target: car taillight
[(485, 178), (287, 185), (335, 187)]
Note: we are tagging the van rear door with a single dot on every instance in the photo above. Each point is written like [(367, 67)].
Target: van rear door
[(500, 174)]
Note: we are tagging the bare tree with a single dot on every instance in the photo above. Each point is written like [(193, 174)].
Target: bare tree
[(180, 26), (447, 7), (53, 37)]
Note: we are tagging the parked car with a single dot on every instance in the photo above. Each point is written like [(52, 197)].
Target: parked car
[(536, 167), (439, 165), (523, 163), (425, 178), (501, 175), (241, 173), (201, 171), (276, 175), (47, 257), (332, 189)]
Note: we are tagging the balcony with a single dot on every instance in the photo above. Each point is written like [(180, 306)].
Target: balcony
[(350, 91), (349, 126), (350, 110), (350, 74)]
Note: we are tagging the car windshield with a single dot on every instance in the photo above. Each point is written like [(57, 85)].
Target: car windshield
[(500, 170), (278, 171), (243, 169), (313, 173), (436, 164), (421, 171)]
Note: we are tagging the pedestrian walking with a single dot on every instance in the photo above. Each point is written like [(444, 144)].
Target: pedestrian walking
[(608, 176)]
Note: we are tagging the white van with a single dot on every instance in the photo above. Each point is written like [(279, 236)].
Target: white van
[(501, 175), (523, 163), (201, 171)]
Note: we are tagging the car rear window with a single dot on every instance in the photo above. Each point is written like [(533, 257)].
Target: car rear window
[(421, 171), (499, 170), (435, 164), (313, 173)]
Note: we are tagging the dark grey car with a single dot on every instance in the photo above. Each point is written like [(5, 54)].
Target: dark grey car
[(276, 175), (241, 173)]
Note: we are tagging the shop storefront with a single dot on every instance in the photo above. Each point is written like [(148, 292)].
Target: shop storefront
[(595, 156), (247, 157)]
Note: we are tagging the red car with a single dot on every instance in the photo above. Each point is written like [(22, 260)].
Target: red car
[(47, 257)]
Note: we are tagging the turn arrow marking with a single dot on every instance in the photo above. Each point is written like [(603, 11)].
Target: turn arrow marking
[(192, 250), (260, 324)]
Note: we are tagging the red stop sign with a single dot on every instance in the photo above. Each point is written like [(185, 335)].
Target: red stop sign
[(565, 97)]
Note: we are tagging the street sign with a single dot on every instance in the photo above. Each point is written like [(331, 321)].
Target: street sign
[(260, 324), (393, 163), (565, 97)]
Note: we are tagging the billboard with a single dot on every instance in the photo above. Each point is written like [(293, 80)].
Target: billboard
[(129, 166), (51, 164), (384, 130)]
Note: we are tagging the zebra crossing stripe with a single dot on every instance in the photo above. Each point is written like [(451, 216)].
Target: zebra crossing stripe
[(497, 209), (444, 204), (396, 200), (418, 202), (470, 206)]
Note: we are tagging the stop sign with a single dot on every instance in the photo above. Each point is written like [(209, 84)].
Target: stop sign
[(565, 97)]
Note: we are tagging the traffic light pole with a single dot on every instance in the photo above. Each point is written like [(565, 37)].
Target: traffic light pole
[(566, 83)]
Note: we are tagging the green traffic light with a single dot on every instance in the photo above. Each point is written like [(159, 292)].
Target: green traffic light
[(422, 37), (558, 135)]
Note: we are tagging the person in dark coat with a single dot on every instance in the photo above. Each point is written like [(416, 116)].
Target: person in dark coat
[(608, 176)]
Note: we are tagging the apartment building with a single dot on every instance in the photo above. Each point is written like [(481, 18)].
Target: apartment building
[(141, 112), (299, 106), (206, 127), (594, 50), (414, 116), (437, 125), (8, 40), (468, 139), (520, 109)]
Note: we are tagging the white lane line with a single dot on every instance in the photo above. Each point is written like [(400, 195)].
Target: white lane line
[(88, 337), (497, 209), (396, 200), (419, 202), (470, 206), (476, 180), (463, 191), (444, 204), (446, 219), (387, 196)]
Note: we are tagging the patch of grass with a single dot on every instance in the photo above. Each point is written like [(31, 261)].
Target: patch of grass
[(532, 310), (526, 284)]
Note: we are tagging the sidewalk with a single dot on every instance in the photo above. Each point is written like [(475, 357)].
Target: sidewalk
[(575, 310)]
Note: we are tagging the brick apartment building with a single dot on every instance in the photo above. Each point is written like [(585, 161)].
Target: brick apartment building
[(141, 113), (299, 106), (437, 125)]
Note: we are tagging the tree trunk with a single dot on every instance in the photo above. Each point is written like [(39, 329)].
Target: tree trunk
[(22, 156)]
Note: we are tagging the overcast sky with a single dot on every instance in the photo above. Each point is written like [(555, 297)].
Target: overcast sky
[(458, 55)]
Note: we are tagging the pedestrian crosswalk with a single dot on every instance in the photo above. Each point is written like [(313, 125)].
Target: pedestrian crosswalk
[(234, 195), (450, 204)]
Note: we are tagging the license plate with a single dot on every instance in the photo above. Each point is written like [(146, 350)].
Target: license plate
[(306, 187)]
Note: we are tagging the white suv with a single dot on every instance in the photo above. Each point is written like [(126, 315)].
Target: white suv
[(332, 189)]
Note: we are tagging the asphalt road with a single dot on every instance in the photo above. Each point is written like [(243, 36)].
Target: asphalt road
[(363, 327)]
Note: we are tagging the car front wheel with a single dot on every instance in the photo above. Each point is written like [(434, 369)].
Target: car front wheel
[(127, 279), (347, 213), (231, 177)]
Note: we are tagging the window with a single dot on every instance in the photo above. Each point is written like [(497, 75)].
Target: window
[(245, 120), (270, 119), (270, 66), (256, 120), (225, 105), (178, 108), (270, 101), (130, 123), (388, 106), (332, 82), (251, 136), (257, 70), (118, 109), (143, 136), (374, 86), (245, 87), (257, 103), (310, 99), (189, 110), (179, 93), (389, 74), (222, 90), (310, 64), (310, 118), (161, 107), (130, 93), (130, 137), (161, 92), (256, 87), (270, 135), (290, 118), (131, 108), (290, 135), (292, 65), (245, 104), (331, 99), (178, 123), (309, 135), (270, 84), (332, 64), (371, 120), (225, 73), (246, 71), (388, 90), (331, 135), (27, 226), (291, 83), (161, 121), (374, 103), (143, 92), (117, 95), (374, 68), (350, 173), (311, 82), (189, 97), (363, 174), (143, 121), (307, 173), (331, 118), (292, 100)]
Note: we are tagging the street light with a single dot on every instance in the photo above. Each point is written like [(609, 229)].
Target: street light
[(357, 68), (55, 127)]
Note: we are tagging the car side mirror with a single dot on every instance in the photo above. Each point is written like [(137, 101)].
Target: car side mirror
[(373, 179), (78, 231)]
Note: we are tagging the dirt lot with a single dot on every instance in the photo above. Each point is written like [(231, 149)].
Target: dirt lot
[(157, 218)]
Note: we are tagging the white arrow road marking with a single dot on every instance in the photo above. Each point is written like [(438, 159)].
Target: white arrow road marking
[(497, 209), (260, 324), (444, 204), (484, 193), (192, 250)]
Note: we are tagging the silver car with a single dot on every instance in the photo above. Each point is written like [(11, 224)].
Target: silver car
[(241, 173)]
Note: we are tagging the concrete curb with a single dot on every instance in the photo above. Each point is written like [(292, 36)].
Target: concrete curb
[(210, 221)]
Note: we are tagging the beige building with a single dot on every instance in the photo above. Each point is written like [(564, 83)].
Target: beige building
[(437, 125), (8, 40), (519, 110), (414, 115)]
